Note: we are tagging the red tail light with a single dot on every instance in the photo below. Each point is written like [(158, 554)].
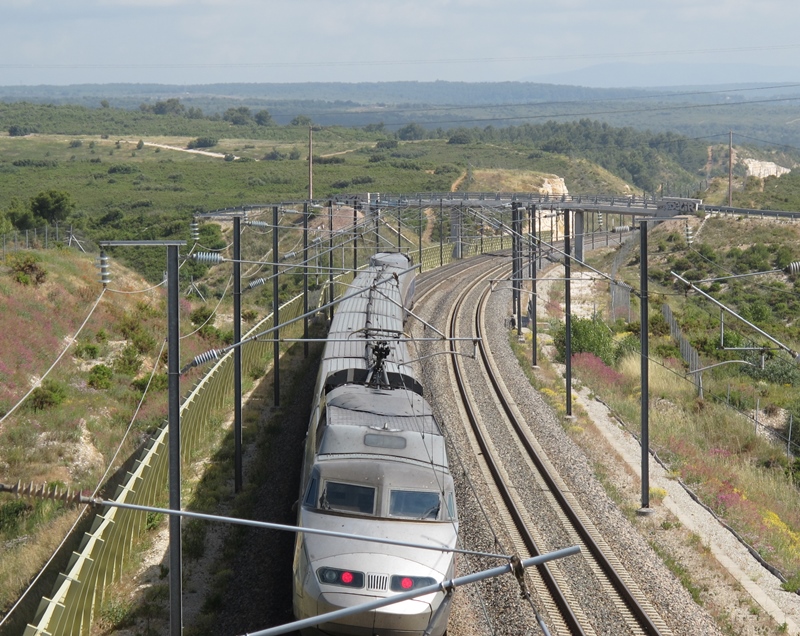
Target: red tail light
[(345, 578), (406, 583)]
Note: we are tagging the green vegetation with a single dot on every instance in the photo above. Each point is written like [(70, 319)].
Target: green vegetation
[(588, 335), (711, 442), (26, 269), (50, 394)]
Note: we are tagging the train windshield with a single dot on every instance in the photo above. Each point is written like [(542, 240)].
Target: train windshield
[(347, 498), (414, 504)]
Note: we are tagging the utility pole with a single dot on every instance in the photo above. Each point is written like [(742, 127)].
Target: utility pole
[(730, 170), (441, 229), (568, 310), (355, 237), (237, 354), (330, 256), (644, 321), (174, 423), (310, 163), (534, 298), (305, 279), (276, 303)]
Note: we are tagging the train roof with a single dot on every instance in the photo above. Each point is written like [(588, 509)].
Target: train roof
[(393, 409), (395, 259), (377, 314), (390, 469), (354, 440)]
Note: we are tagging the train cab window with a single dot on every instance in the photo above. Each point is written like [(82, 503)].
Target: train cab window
[(311, 492), (414, 504), (451, 505), (347, 498), (322, 424)]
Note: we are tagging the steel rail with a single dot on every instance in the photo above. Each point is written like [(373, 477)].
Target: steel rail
[(567, 615), (642, 617)]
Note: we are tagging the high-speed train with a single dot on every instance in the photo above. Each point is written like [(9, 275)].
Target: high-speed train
[(374, 465)]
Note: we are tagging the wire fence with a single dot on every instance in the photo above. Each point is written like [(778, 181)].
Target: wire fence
[(47, 237)]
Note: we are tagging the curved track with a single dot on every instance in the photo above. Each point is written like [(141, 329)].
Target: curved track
[(557, 591)]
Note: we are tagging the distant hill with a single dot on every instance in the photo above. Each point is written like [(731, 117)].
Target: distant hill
[(363, 93), (662, 76), (701, 102)]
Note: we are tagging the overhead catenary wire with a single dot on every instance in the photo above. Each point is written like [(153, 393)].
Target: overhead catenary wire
[(216, 353)]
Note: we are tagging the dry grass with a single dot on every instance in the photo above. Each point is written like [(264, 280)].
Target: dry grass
[(515, 181), (69, 444), (23, 559), (737, 472)]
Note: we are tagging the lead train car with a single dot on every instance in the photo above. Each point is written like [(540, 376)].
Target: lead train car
[(374, 465)]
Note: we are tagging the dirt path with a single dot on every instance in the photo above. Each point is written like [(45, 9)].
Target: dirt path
[(457, 183), (207, 153), (428, 233)]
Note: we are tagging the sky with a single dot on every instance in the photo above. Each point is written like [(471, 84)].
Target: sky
[(218, 41)]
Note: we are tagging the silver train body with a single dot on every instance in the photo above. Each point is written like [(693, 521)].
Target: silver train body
[(374, 465)]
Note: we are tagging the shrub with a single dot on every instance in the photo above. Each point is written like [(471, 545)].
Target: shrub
[(11, 515), (406, 165), (328, 160), (588, 335), (128, 362), (202, 142), (447, 169), (160, 382), (50, 393), (87, 351), (35, 163), (275, 155), (26, 269), (21, 131), (362, 180), (122, 168), (201, 315), (100, 377), (460, 137), (629, 344), (659, 325)]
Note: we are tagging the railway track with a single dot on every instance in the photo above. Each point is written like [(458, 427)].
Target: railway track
[(593, 596)]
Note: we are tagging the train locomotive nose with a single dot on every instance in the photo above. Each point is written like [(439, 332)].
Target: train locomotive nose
[(407, 618)]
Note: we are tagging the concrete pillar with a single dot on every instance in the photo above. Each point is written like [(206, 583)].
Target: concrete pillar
[(580, 231)]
